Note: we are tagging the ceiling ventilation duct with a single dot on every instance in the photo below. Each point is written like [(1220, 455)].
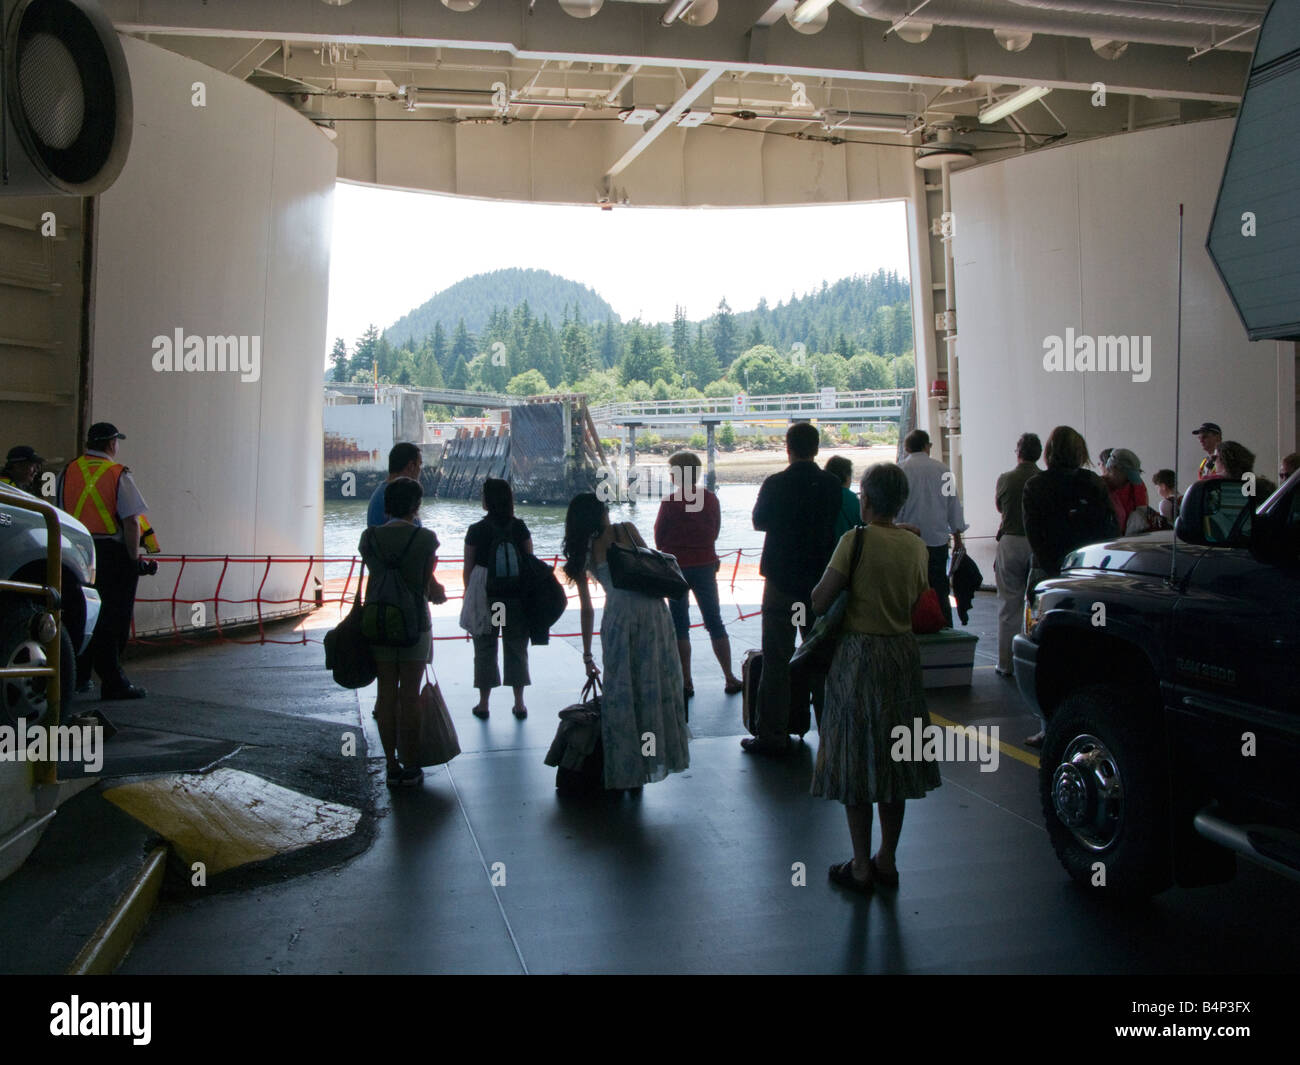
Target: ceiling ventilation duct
[(1255, 230), (1108, 49), (1192, 30), (1244, 15), (1013, 40)]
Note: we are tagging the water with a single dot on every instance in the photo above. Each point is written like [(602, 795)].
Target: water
[(449, 518)]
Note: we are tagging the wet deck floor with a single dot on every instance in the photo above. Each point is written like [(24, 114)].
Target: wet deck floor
[(695, 875)]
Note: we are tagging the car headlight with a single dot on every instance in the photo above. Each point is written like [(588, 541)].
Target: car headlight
[(1033, 612)]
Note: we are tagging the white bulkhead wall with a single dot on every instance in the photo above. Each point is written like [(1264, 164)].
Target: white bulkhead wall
[(1084, 237), (219, 225)]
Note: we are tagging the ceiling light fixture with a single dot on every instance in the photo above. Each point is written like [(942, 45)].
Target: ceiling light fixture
[(809, 10), (865, 122), (674, 12), (1013, 103)]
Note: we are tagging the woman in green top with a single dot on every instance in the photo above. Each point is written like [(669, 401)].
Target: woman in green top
[(847, 518), (874, 683), (401, 669)]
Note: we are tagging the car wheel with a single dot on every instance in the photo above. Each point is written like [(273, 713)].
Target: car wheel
[(25, 698), (1104, 787)]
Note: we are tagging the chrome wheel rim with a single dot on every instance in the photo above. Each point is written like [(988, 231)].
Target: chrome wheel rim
[(25, 698), (1088, 794)]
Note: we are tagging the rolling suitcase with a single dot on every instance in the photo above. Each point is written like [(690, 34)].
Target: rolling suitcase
[(751, 672)]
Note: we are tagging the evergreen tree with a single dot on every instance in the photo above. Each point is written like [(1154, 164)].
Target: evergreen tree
[(640, 355), (610, 355), (339, 360), (363, 354), (681, 336), (725, 341), (576, 346), (462, 344), (438, 344), (702, 365), (755, 336), (459, 374)]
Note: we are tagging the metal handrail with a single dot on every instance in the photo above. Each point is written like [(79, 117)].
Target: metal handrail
[(865, 399), (52, 591)]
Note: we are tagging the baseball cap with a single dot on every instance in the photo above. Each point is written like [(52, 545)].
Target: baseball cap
[(1123, 459), (1207, 427), (23, 453), (102, 432)]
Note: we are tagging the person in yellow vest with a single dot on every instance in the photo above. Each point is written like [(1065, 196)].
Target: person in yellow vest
[(1210, 436), (22, 464), (99, 492)]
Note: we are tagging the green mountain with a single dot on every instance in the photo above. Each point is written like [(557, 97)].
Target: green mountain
[(474, 299)]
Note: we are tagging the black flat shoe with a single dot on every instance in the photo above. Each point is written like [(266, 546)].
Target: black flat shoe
[(842, 875), (889, 880), (130, 691), (756, 745), (479, 713)]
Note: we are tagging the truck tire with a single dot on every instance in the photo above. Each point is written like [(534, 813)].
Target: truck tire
[(1104, 784), (25, 697)]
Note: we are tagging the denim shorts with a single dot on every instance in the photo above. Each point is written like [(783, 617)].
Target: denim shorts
[(703, 581)]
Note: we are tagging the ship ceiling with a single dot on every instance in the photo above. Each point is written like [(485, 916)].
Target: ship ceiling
[(731, 103)]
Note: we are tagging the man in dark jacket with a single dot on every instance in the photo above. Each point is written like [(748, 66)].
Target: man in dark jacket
[(797, 509)]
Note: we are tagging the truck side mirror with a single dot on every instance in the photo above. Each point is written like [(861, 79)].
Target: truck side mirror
[(1275, 535), (1215, 511)]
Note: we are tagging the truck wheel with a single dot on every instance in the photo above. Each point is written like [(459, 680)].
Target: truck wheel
[(1104, 786), (25, 698)]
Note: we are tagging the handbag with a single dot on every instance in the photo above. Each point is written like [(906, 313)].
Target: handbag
[(645, 570), (438, 742), (927, 615), (347, 651), (578, 752), (818, 647), (544, 598)]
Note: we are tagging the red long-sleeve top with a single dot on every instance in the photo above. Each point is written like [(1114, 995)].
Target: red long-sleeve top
[(688, 535)]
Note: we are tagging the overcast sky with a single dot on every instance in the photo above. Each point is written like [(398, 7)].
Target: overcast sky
[(393, 250)]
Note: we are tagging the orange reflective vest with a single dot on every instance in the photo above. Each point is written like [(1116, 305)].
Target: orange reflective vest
[(90, 493)]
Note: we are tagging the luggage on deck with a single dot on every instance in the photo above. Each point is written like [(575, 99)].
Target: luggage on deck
[(751, 672)]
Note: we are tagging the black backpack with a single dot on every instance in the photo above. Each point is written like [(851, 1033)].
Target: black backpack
[(391, 614), (1090, 517), (504, 565)]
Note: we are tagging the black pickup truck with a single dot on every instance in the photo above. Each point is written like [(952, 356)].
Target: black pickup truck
[(1168, 668)]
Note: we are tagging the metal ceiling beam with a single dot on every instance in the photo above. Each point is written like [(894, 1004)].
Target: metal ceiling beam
[(850, 48), (252, 59), (664, 121)]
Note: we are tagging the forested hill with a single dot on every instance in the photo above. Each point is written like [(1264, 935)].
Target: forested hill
[(474, 299), (518, 331)]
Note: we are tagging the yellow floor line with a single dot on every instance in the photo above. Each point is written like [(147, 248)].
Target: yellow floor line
[(105, 950), (1006, 748)]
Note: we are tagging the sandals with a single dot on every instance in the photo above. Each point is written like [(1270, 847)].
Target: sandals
[(842, 875), (479, 712), (734, 687), (520, 712)]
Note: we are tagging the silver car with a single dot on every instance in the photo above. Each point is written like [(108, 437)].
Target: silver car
[(23, 541)]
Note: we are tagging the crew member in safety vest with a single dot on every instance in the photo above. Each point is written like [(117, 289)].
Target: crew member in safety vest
[(22, 464), (99, 492)]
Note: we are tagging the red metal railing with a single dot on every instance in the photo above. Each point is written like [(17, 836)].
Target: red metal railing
[(261, 609)]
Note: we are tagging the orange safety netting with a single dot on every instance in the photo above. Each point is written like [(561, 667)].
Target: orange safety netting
[(340, 592)]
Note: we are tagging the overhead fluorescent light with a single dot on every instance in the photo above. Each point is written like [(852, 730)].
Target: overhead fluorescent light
[(809, 10), (865, 122), (1013, 103)]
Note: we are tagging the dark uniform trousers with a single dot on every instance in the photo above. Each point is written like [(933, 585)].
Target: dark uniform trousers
[(116, 577)]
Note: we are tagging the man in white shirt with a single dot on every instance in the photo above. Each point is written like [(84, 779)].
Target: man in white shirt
[(933, 507)]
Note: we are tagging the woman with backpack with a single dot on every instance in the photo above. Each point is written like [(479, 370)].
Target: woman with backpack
[(643, 708), (494, 552), (401, 558)]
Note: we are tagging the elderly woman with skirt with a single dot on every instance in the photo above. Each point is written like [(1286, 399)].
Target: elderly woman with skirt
[(874, 683)]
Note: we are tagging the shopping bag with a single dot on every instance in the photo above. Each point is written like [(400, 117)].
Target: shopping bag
[(438, 742)]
